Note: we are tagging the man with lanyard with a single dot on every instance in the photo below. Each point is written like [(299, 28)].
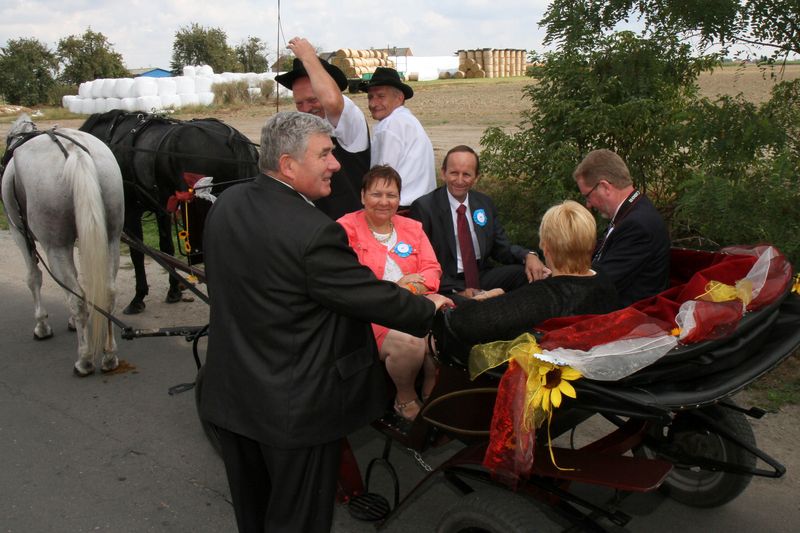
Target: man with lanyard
[(317, 88), (634, 251)]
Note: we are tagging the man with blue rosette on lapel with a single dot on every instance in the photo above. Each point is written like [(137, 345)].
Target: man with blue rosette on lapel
[(464, 229)]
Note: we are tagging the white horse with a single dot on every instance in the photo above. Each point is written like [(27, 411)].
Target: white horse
[(61, 186)]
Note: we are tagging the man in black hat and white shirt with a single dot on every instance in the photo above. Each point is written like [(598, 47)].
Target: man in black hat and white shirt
[(317, 89), (398, 139)]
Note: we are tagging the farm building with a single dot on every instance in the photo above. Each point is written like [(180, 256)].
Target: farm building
[(150, 72)]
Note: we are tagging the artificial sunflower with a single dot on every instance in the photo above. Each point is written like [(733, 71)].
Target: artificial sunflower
[(554, 381)]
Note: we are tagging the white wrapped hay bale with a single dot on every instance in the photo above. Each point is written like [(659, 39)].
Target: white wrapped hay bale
[(66, 99), (113, 103), (87, 106), (252, 79), (74, 105), (85, 89), (170, 101), (191, 99), (122, 89), (184, 85), (148, 103), (217, 78), (97, 88), (204, 70), (166, 86), (254, 92), (189, 71), (109, 88), (206, 98), (202, 84), (129, 104), (144, 87)]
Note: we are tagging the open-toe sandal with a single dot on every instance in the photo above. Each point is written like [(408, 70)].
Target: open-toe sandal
[(400, 409)]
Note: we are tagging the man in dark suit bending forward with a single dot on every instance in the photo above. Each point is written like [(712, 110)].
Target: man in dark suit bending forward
[(292, 365)]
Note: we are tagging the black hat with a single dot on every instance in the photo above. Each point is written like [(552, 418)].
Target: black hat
[(298, 71), (387, 76)]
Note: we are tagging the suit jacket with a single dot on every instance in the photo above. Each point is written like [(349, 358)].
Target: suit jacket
[(636, 254), (291, 358), (433, 210)]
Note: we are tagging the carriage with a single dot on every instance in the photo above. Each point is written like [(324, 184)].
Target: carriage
[(675, 427)]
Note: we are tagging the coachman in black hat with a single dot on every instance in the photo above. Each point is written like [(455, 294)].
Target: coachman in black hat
[(387, 76), (317, 87)]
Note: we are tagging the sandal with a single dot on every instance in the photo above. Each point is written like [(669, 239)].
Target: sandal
[(401, 407)]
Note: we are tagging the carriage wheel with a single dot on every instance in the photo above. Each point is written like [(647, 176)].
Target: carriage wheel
[(494, 510), (692, 485), (209, 429)]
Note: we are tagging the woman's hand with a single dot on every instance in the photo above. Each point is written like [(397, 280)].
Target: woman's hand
[(411, 278)]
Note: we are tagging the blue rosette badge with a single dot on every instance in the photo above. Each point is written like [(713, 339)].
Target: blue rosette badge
[(479, 217), (403, 249)]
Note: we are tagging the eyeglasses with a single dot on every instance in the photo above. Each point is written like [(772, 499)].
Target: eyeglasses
[(588, 194)]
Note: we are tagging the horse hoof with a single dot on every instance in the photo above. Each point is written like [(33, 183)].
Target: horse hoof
[(42, 336), (134, 308), (71, 326), (83, 370), (109, 365), (173, 296)]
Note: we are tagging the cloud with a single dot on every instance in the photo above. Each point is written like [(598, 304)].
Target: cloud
[(143, 31)]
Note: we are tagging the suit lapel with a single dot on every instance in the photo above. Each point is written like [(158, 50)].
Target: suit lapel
[(475, 203), (446, 222)]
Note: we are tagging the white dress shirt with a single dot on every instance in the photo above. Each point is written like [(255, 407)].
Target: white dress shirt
[(468, 213), (400, 141)]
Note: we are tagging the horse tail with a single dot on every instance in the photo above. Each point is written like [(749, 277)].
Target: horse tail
[(90, 221)]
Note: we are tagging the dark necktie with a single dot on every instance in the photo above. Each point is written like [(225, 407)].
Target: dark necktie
[(467, 250)]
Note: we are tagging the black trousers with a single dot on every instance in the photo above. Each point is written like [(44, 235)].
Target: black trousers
[(275, 490)]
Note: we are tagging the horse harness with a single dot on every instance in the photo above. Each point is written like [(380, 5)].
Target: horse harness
[(13, 143)]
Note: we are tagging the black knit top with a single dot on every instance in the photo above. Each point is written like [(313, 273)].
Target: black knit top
[(508, 316)]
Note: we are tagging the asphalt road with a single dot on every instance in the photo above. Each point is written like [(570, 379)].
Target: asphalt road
[(117, 453)]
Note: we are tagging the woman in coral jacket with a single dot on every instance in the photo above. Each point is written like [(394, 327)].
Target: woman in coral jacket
[(396, 249)]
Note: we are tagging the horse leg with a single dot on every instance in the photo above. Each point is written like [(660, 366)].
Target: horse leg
[(166, 245), (110, 360), (42, 329), (62, 266), (133, 225)]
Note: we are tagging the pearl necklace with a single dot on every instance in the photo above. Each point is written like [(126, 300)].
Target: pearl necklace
[(385, 236)]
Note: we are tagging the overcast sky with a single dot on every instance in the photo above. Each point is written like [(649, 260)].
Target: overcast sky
[(143, 30)]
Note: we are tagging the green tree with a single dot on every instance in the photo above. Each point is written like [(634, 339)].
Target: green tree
[(197, 45), (723, 169), (774, 24), (89, 57), (27, 71), (252, 55)]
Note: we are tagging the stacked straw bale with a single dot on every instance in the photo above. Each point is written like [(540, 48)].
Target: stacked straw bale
[(490, 63), (354, 62)]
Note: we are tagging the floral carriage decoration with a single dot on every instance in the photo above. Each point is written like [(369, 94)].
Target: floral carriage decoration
[(610, 347)]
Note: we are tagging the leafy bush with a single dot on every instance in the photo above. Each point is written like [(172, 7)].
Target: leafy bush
[(230, 93), (725, 170)]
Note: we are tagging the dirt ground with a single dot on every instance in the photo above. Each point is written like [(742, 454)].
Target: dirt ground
[(459, 111), (454, 113)]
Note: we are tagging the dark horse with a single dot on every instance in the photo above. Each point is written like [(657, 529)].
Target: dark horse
[(154, 153)]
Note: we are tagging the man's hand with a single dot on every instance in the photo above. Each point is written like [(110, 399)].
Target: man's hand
[(440, 301), (535, 269), (302, 49)]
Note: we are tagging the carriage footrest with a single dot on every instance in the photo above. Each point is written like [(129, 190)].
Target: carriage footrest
[(621, 472), (368, 507)]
